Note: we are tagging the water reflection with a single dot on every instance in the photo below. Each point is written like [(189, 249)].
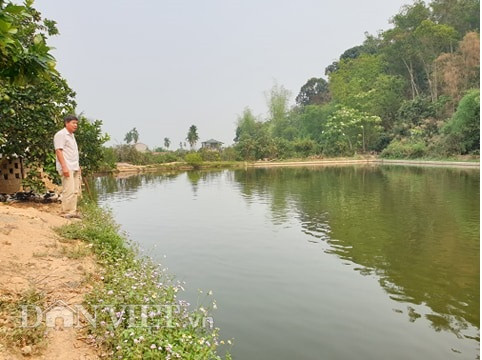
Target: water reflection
[(416, 229), (125, 186)]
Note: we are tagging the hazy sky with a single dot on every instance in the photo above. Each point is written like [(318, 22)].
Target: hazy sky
[(162, 66)]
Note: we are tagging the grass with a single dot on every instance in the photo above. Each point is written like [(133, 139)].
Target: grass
[(12, 334), (77, 252), (166, 328)]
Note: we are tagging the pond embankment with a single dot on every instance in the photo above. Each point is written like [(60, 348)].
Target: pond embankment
[(125, 169), (39, 268), (77, 289)]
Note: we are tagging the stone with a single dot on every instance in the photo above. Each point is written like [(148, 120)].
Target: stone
[(26, 350)]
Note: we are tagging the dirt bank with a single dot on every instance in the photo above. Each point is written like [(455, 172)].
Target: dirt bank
[(372, 161), (35, 260)]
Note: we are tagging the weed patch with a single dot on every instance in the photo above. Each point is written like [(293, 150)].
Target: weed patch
[(137, 311)]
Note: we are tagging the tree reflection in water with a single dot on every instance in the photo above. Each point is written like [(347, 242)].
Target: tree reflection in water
[(416, 229)]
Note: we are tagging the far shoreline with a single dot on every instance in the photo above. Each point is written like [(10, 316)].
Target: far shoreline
[(124, 169)]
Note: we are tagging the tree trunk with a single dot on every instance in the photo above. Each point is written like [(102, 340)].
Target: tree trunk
[(428, 73), (413, 84)]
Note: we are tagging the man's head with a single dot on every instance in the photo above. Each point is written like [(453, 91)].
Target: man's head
[(71, 122)]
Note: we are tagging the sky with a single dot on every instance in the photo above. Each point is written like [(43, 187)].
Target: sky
[(163, 65)]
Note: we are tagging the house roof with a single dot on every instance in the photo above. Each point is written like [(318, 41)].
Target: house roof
[(212, 141)]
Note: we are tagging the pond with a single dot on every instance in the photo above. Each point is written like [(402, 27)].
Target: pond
[(365, 262)]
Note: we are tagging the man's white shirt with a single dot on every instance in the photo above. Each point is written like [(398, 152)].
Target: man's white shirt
[(66, 141)]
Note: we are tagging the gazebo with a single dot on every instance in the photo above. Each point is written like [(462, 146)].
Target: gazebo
[(211, 144)]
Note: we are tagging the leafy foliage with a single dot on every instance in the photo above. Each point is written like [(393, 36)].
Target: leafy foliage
[(464, 127), (192, 136), (314, 92), (132, 136), (167, 142), (194, 159), (34, 97), (396, 91), (90, 141)]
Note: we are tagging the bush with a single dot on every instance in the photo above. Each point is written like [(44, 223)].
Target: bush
[(228, 154), (127, 153), (463, 129), (285, 148), (210, 155), (194, 159), (110, 158), (305, 147), (403, 149)]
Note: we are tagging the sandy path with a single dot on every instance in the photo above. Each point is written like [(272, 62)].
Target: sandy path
[(32, 255)]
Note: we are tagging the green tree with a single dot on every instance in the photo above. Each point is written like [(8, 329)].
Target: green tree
[(370, 46), (462, 15), (246, 125), (400, 46), (362, 84), (167, 142), (314, 92), (432, 40), (33, 96), (278, 107), (192, 136), (311, 120), (350, 131), (463, 129), (91, 139), (132, 136), (24, 52)]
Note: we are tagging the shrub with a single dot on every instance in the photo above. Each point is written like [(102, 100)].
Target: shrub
[(403, 149), (194, 159), (210, 155), (228, 154), (285, 148), (305, 147), (463, 129)]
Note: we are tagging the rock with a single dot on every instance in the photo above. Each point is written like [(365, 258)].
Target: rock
[(26, 350), (80, 267)]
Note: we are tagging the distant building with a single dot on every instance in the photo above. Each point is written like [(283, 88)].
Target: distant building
[(212, 144), (140, 147)]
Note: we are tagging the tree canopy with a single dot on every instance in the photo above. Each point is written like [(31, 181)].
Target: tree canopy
[(192, 136), (34, 97), (401, 86)]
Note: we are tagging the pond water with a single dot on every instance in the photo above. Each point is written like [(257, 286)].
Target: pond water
[(365, 262)]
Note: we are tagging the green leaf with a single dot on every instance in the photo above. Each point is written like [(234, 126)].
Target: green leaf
[(14, 9), (5, 26), (37, 39)]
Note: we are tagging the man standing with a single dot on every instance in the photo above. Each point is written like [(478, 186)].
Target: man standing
[(67, 164)]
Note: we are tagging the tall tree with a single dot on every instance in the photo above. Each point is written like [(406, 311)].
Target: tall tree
[(246, 125), (167, 142), (314, 92), (362, 84), (462, 15), (459, 71), (192, 136), (132, 136), (278, 105), (432, 40), (400, 46), (33, 96)]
